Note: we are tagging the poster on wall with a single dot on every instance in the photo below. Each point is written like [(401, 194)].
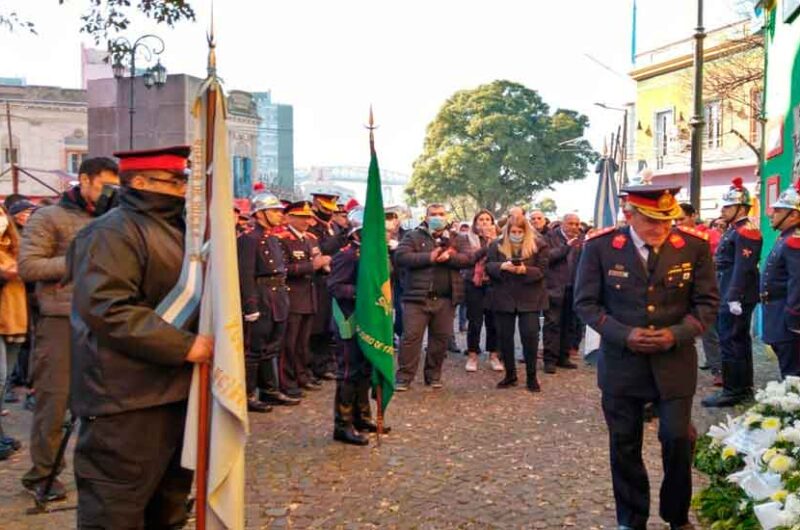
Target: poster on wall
[(774, 136), (791, 8), (772, 192)]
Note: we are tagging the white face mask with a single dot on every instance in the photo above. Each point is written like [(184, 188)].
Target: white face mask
[(3, 224)]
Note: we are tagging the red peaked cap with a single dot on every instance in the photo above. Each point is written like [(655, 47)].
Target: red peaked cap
[(258, 186), (174, 159)]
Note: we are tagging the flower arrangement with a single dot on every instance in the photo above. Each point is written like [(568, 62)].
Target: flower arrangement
[(753, 464)]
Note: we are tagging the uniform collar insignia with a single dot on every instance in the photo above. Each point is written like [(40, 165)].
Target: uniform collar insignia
[(619, 241), (677, 241)]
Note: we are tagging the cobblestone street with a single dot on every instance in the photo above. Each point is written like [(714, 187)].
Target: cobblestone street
[(465, 456)]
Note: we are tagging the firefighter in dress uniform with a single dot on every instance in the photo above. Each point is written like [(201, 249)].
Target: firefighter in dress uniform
[(303, 259), (352, 411), (265, 303), (737, 275), (648, 289), (780, 284)]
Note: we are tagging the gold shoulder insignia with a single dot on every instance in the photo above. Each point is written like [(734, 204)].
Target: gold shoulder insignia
[(601, 232), (694, 232)]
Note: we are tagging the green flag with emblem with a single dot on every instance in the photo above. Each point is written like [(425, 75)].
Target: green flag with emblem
[(373, 316)]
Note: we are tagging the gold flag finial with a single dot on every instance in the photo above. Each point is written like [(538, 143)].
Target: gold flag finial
[(212, 44), (371, 127)]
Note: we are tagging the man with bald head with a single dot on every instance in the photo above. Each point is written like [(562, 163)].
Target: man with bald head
[(564, 243)]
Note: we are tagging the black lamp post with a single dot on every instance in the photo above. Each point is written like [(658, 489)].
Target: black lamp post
[(150, 46), (698, 120)]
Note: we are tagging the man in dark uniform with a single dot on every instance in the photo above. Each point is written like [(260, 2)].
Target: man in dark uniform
[(737, 275), (265, 303), (330, 239), (303, 259), (131, 369), (351, 408), (394, 234), (648, 289), (780, 284)]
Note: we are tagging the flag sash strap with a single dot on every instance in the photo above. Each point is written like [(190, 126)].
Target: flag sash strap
[(343, 324), (183, 300)]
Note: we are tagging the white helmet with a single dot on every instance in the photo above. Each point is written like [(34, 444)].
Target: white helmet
[(265, 201)]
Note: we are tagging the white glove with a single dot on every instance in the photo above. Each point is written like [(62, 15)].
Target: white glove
[(735, 308), (393, 244), (252, 317)]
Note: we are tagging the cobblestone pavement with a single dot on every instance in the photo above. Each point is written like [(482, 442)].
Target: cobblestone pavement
[(466, 456)]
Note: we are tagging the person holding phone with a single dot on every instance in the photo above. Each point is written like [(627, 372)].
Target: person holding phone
[(516, 263)]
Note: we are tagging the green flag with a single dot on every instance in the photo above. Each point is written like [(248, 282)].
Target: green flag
[(373, 316)]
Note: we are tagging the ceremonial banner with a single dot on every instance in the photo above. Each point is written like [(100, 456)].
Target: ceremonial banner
[(221, 317), (373, 316)]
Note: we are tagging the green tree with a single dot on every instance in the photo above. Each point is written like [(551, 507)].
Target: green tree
[(499, 145), (547, 205), (105, 17)]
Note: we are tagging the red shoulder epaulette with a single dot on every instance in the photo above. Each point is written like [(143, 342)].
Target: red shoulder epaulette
[(601, 232), (311, 236), (749, 231), (282, 233), (694, 232), (793, 241)]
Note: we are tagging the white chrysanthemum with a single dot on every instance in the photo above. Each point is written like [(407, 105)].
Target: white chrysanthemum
[(771, 423), (790, 434), (752, 418), (781, 464), (719, 432)]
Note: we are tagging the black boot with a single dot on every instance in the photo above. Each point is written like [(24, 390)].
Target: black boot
[(734, 390), (362, 411), (343, 430)]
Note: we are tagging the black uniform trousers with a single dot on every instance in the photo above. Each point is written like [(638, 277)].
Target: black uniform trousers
[(128, 472), (529, 335), (788, 357), (625, 419), (351, 365), (295, 357), (736, 343), (478, 315), (559, 328), (263, 341)]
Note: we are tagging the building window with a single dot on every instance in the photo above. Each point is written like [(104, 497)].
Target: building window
[(755, 116), (10, 156), (664, 121), (242, 178), (74, 161), (713, 118)]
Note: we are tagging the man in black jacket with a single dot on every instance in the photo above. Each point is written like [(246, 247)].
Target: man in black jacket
[(564, 244), (131, 369), (432, 289)]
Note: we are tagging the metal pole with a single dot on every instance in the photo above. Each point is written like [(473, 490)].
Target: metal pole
[(11, 155), (131, 109), (698, 121), (623, 170)]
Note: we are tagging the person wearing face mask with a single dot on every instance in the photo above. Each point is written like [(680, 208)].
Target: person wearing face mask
[(394, 234), (516, 264), (131, 369), (780, 284), (648, 289), (44, 245), (13, 316), (737, 259), (432, 288)]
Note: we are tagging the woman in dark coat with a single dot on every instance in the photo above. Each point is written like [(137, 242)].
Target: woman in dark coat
[(516, 264)]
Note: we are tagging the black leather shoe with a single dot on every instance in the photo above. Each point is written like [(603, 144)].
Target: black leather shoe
[(254, 405), (549, 368), (349, 436), (278, 398), (370, 426), (569, 365), (533, 386), (508, 382), (328, 376), (723, 399)]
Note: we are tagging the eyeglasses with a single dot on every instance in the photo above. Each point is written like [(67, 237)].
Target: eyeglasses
[(178, 182)]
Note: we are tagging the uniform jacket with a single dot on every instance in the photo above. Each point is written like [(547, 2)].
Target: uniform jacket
[(297, 251), (342, 279), (45, 241), (124, 355), (413, 255), (261, 256), (737, 262), (613, 294), (522, 293), (780, 289), (330, 240)]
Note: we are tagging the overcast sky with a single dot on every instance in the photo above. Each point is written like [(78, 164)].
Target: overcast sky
[(331, 59)]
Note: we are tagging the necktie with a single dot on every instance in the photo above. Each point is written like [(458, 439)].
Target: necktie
[(652, 259)]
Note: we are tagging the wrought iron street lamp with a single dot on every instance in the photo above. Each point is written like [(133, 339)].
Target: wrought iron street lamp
[(149, 46)]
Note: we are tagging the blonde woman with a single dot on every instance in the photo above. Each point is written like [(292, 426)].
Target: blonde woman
[(516, 264)]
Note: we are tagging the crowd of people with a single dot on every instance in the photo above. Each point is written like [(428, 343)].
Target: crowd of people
[(91, 270)]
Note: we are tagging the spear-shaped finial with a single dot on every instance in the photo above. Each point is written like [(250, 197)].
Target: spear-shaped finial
[(371, 128), (212, 44)]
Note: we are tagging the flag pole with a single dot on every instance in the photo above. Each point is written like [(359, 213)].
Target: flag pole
[(378, 387), (204, 420)]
